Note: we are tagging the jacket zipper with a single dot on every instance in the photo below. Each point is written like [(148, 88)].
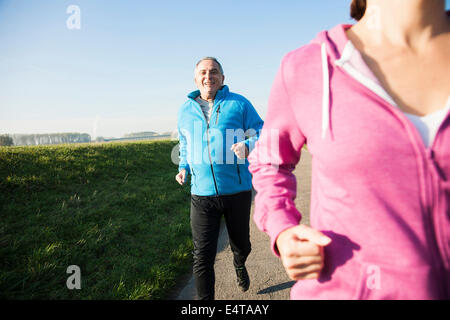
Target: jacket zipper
[(436, 182), (209, 153), (432, 184), (210, 159), (209, 149)]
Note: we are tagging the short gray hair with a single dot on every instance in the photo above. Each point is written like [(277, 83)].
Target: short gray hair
[(212, 59)]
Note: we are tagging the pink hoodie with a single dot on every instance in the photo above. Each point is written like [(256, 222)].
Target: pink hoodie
[(377, 191)]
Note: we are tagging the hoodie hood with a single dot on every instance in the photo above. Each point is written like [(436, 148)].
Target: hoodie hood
[(334, 40)]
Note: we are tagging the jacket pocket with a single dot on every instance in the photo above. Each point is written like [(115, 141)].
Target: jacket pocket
[(239, 173), (193, 178), (217, 114)]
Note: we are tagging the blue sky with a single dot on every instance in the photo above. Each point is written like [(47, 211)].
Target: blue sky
[(130, 65)]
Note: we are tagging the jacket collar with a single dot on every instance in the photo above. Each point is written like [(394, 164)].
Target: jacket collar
[(222, 93)]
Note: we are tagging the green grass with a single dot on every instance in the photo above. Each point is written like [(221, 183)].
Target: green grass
[(113, 209)]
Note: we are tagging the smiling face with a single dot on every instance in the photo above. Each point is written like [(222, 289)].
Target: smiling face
[(209, 79)]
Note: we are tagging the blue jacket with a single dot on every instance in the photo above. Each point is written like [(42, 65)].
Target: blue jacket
[(205, 148)]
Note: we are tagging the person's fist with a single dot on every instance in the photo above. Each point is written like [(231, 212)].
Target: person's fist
[(181, 177), (240, 150), (301, 251)]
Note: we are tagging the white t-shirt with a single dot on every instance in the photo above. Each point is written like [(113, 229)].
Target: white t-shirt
[(427, 125), (206, 107)]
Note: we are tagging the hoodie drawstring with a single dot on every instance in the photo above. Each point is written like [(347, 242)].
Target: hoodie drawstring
[(325, 92)]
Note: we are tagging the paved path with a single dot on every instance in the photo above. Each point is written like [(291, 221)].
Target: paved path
[(268, 280)]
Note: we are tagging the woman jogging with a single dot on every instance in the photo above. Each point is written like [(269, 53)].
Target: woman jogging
[(372, 103)]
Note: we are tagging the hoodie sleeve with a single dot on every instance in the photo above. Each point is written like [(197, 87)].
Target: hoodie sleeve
[(272, 162)]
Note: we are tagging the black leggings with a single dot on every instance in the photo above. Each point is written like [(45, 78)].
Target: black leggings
[(206, 213)]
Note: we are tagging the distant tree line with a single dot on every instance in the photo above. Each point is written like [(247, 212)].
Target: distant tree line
[(6, 140), (68, 137), (141, 134), (134, 136), (49, 138)]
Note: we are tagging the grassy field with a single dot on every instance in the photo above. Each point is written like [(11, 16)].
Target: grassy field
[(113, 209)]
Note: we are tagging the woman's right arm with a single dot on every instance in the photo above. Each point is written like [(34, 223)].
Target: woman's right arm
[(272, 162)]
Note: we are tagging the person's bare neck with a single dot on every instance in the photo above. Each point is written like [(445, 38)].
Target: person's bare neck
[(403, 23)]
